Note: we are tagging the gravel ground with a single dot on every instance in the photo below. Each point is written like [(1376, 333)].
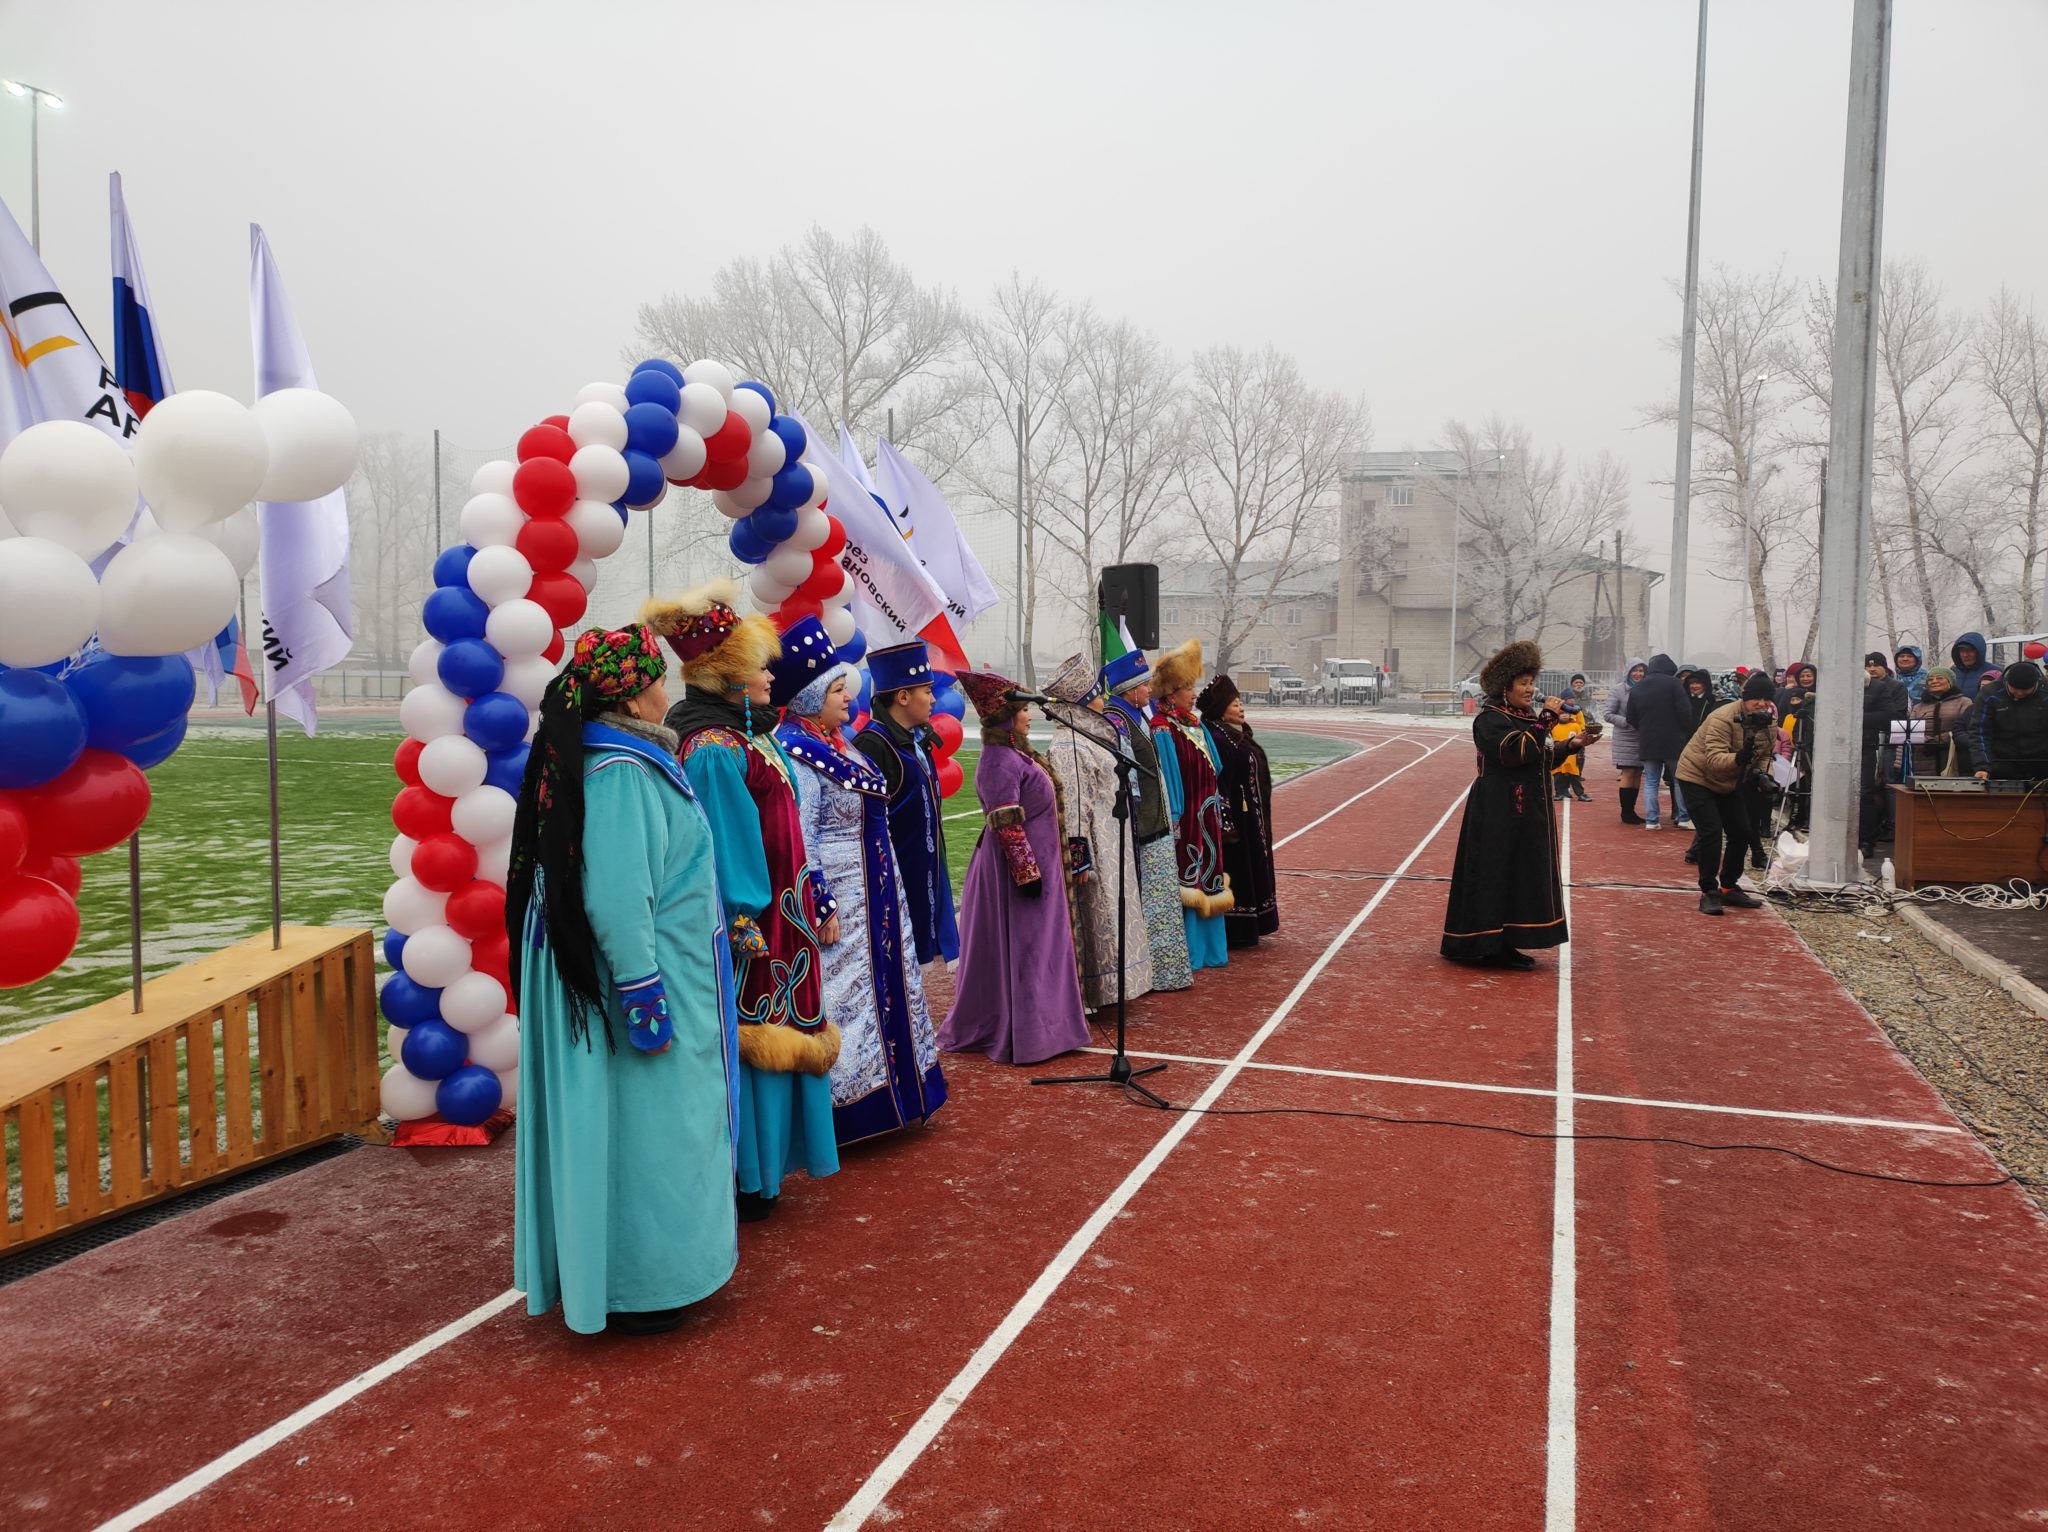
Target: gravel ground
[(1982, 1050)]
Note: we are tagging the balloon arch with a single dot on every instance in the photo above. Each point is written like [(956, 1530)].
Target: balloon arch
[(533, 531)]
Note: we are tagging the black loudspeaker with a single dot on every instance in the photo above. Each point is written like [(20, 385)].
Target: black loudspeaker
[(1131, 591)]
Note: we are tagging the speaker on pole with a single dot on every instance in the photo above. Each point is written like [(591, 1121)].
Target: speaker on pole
[(1131, 591)]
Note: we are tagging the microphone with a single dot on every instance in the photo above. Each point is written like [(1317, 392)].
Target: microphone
[(1021, 696)]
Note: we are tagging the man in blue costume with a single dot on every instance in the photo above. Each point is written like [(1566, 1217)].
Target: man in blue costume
[(898, 739)]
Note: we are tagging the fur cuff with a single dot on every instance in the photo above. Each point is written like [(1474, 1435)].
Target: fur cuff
[(778, 1050)]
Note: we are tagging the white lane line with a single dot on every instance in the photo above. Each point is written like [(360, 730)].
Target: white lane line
[(1561, 1476), (1383, 781), (1832, 1119), (197, 1480), (875, 1490)]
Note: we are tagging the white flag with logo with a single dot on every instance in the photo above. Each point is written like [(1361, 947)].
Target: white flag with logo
[(49, 367), (308, 625), (894, 598), (935, 535)]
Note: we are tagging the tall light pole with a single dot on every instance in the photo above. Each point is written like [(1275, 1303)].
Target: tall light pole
[(38, 98), (1681, 479)]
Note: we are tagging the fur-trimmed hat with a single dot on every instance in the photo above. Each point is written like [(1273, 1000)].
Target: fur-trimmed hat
[(1176, 668), (1521, 658), (1214, 699), (721, 651)]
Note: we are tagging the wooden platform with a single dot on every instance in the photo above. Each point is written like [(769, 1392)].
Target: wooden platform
[(1969, 837)]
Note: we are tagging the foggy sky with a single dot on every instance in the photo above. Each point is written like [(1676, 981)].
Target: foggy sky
[(1455, 207)]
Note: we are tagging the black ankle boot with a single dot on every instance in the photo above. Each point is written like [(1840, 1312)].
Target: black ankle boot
[(1628, 806)]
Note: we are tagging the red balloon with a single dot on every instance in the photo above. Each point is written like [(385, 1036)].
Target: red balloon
[(93, 807), (544, 487), (60, 870), (823, 581), (559, 422), (549, 544), (546, 441), (950, 777), (723, 473), (946, 731), (38, 929), (834, 543), (421, 812), (493, 955), (2035, 650), (444, 862), (406, 761), (562, 596), (554, 651), (13, 835), (794, 610), (476, 910), (731, 440)]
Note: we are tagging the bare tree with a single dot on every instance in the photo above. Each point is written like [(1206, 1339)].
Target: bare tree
[(1259, 476), (2010, 357), (391, 531)]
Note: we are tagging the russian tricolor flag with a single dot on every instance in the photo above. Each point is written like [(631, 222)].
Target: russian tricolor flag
[(141, 374)]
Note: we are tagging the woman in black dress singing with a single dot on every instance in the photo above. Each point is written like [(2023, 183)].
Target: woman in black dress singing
[(1505, 893)]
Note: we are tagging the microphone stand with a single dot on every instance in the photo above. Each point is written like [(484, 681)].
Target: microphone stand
[(1120, 1071)]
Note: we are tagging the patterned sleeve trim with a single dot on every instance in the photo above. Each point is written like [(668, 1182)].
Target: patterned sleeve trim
[(648, 1024), (822, 903), (1008, 823), (746, 937)]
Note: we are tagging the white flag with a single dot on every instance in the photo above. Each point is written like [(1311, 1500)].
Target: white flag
[(935, 535), (49, 367), (894, 598), (308, 626), (849, 454)]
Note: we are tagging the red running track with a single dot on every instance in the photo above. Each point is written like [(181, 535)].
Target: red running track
[(1055, 1309)]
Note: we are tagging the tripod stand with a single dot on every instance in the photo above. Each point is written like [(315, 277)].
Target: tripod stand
[(1120, 1071)]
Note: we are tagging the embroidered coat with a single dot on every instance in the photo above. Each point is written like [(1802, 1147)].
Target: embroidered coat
[(1505, 890), (1187, 764), (918, 831), (1246, 783)]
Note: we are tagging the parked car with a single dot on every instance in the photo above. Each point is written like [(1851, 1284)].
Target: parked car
[(1283, 685), (1352, 682)]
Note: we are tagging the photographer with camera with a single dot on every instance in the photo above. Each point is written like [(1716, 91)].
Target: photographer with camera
[(1732, 746)]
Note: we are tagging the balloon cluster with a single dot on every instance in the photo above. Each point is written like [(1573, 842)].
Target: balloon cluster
[(94, 688)]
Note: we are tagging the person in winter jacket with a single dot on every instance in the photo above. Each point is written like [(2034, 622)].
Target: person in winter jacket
[(1909, 666), (1792, 689), (2012, 727), (1732, 746), (1944, 713), (1656, 711), (1628, 761), (1970, 660), (1884, 703), (1565, 778), (1795, 716), (1699, 697)]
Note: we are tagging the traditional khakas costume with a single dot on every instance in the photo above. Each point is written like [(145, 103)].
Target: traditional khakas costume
[(1246, 781), (1187, 762), (908, 761), (1152, 829)]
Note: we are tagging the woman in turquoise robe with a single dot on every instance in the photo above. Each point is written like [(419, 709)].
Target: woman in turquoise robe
[(1188, 764), (622, 1203)]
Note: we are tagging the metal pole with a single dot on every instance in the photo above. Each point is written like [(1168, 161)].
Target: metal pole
[(437, 489), (1845, 535), (649, 514), (892, 425), (135, 916), (1020, 542), (276, 858), (35, 169), (1457, 536), (1681, 479)]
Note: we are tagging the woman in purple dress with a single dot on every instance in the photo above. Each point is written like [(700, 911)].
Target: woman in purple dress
[(1017, 996)]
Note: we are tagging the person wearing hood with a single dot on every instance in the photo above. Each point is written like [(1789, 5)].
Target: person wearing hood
[(887, 1075), (1943, 714), (1795, 717), (1699, 698), (1909, 666), (1626, 755), (1656, 710), (1968, 657), (776, 911), (2011, 733), (1732, 746), (1884, 703)]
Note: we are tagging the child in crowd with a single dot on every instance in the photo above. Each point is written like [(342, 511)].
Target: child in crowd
[(1570, 725)]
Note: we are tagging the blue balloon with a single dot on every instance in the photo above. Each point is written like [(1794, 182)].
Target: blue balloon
[(507, 769), (644, 481), (433, 1050), (652, 386), (773, 525), (666, 368), (451, 565), (620, 507), (454, 612), (762, 389), (160, 747), (495, 721), (943, 682), (950, 702), (792, 488), (394, 947), (42, 729), (745, 542), (127, 698), (468, 1096), (406, 1003), (469, 667), (863, 702), (850, 652), (791, 431), (651, 428)]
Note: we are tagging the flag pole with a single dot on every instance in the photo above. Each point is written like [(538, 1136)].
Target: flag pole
[(276, 859), (437, 490), (135, 917)]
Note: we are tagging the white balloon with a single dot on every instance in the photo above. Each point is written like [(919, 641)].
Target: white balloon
[(472, 1002), (844, 592), (452, 765), (166, 594), (839, 626), (6, 527), (409, 906), (812, 528), (405, 1096), (424, 664), (751, 408), (788, 566), (394, 1039), (598, 423), (494, 478), (598, 529), (612, 394), (686, 458), (312, 440), (753, 493), (49, 601), (519, 628), (435, 956), (716, 374), (817, 495), (402, 848), (723, 502), (766, 457), (483, 815), (585, 571), (494, 862), (767, 591), (508, 1090), (601, 472), (239, 537), (491, 520), (199, 457), (431, 712), (496, 1045), (702, 409), (499, 574), (67, 482), (526, 678)]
